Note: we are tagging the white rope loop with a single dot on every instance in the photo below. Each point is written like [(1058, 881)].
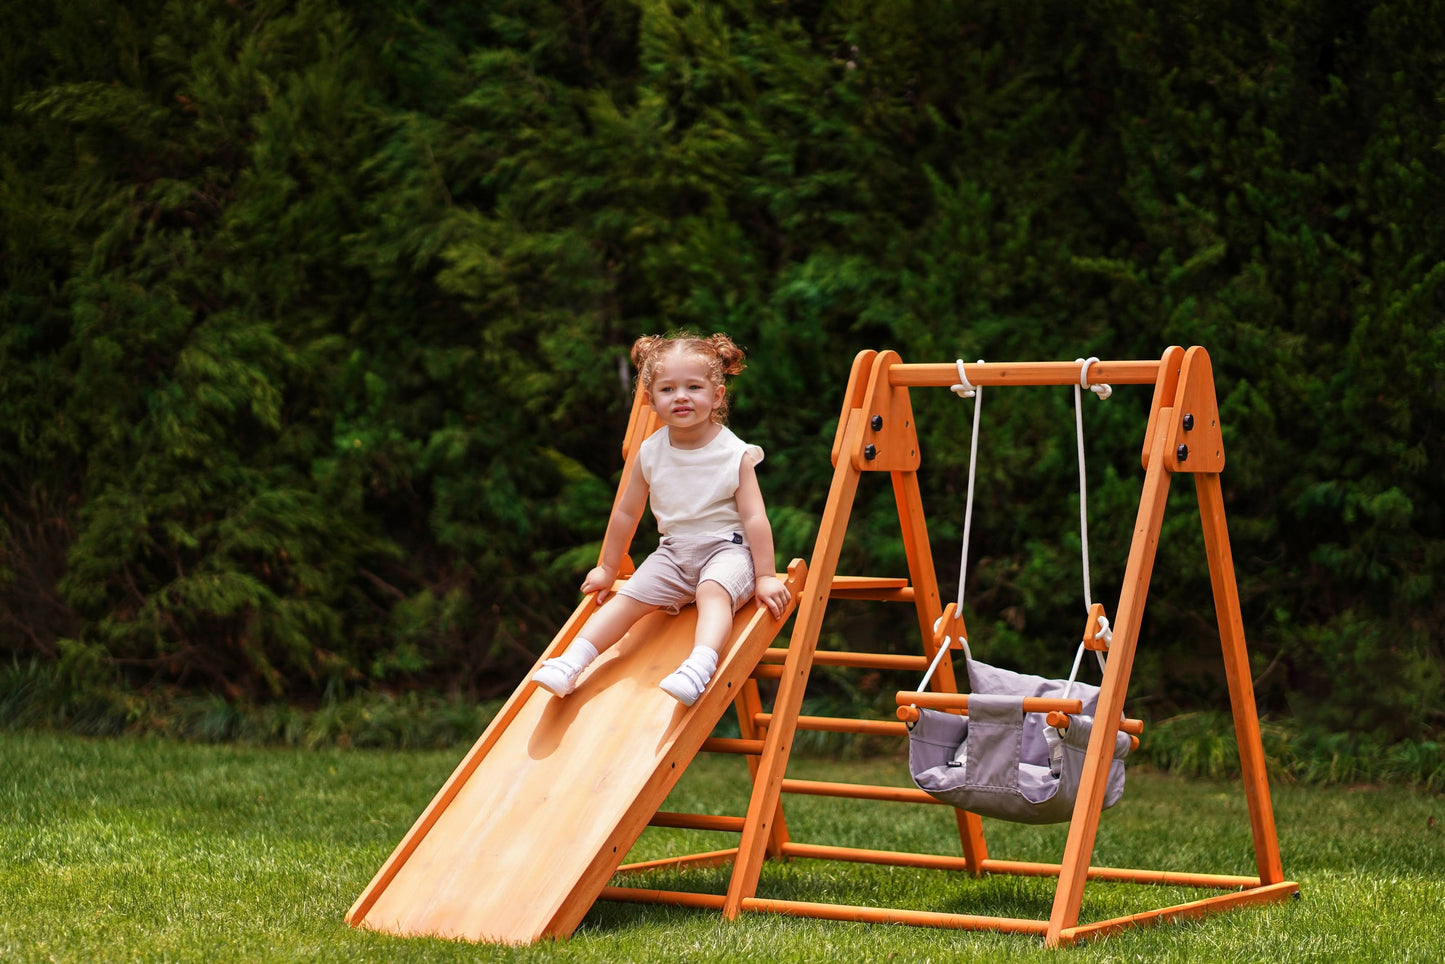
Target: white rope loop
[(964, 388), (1101, 390)]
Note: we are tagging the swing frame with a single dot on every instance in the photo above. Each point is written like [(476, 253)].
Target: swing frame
[(876, 433)]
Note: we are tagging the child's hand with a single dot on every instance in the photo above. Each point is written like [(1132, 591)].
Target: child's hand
[(600, 581), (770, 592)]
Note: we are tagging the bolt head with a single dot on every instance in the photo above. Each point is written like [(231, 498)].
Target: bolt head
[(870, 452), (877, 422), (1182, 453), (1188, 421)]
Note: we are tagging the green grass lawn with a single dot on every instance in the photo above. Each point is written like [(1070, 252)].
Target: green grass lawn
[(133, 849)]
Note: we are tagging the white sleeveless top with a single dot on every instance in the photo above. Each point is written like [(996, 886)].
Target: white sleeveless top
[(693, 492)]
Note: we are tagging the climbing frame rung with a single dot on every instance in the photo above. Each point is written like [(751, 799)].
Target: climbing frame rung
[(730, 744), (877, 588), (840, 724), (859, 791), (696, 821), (890, 661)]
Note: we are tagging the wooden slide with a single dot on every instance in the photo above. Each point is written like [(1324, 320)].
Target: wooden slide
[(539, 814)]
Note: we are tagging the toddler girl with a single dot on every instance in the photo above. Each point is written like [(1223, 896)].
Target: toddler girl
[(717, 546)]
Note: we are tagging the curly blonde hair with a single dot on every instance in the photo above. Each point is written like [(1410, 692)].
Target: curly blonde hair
[(722, 357)]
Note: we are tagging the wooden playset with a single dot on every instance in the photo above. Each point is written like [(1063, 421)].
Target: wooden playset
[(583, 776)]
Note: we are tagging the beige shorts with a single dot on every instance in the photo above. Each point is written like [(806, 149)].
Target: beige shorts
[(670, 576)]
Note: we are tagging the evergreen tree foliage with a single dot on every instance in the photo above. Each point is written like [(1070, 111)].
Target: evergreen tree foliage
[(314, 320)]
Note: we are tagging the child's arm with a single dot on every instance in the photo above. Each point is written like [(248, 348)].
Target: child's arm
[(620, 527), (768, 590)]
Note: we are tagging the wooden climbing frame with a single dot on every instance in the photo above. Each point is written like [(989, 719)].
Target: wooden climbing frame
[(876, 433)]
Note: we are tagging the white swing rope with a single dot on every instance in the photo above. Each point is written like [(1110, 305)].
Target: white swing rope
[(964, 389), (1104, 632)]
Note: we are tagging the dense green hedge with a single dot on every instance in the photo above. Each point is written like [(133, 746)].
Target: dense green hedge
[(315, 317)]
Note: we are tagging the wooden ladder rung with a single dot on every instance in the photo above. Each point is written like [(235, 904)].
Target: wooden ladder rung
[(697, 821), (731, 744), (840, 724), (838, 657), (884, 588), (681, 898), (859, 791)]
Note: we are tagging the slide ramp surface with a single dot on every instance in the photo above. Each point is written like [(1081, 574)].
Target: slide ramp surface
[(521, 839)]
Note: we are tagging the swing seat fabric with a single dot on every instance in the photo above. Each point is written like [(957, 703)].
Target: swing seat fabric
[(1005, 769)]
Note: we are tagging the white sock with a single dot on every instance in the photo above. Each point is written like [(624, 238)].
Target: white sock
[(704, 660), (580, 654)]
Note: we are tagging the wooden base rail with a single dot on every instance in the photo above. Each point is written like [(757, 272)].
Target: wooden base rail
[(886, 915), (713, 858), (681, 898), (1019, 868), (948, 862)]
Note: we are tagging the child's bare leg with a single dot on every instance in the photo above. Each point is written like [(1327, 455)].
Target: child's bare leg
[(611, 622), (714, 623), (714, 617), (602, 631)]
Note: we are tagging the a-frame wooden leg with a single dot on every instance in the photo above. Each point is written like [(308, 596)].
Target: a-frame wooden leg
[(1079, 847), (748, 705), (1237, 672), (768, 786), (921, 574)]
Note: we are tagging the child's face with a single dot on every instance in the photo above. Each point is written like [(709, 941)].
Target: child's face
[(683, 395)]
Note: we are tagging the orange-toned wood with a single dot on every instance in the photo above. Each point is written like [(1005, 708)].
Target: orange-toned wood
[(1079, 845), (857, 791), (1269, 894), (724, 744), (1061, 721), (842, 724), (599, 762), (466, 768), (945, 374), (1092, 638), (919, 553), (853, 396), (1237, 673), (1166, 386), (952, 628), (1195, 441), (680, 898), (713, 858), (959, 701), (696, 821), (878, 386), (882, 589), (891, 661), (883, 915), (749, 705), (1163, 878), (890, 440)]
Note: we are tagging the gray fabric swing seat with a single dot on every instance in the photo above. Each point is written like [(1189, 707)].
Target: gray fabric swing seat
[(995, 761)]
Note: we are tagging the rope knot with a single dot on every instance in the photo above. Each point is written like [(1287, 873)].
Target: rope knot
[(964, 388), (1101, 390)]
